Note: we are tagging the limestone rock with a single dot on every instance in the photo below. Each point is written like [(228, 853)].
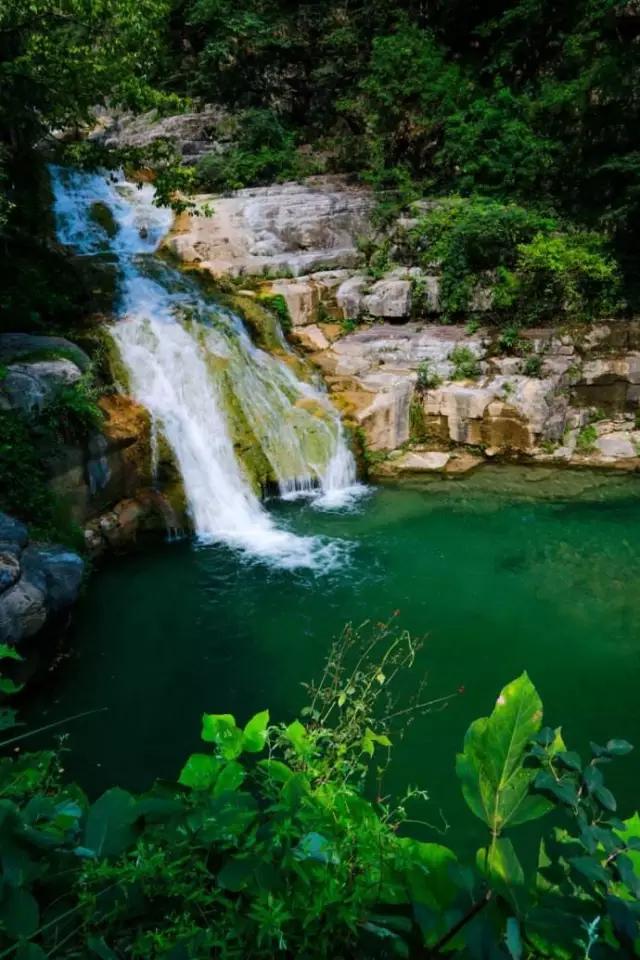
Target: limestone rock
[(415, 461), (385, 419), (29, 387), (294, 228), (311, 337), (616, 445), (389, 298), (350, 296)]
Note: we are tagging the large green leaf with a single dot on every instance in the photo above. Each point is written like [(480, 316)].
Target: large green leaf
[(495, 783), (109, 830), (230, 778), (200, 771), (19, 913), (428, 876), (254, 735), (221, 729)]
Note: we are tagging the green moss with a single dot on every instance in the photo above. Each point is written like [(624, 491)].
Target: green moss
[(101, 214)]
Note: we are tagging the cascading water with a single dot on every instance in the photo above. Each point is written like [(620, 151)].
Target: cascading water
[(183, 355)]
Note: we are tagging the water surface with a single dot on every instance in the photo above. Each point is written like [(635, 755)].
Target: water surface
[(507, 571)]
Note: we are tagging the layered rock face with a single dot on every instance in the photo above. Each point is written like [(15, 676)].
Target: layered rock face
[(290, 228), (39, 583), (570, 398), (425, 396)]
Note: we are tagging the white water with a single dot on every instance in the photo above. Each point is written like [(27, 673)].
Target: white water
[(183, 354)]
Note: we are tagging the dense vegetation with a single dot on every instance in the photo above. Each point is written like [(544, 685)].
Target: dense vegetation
[(529, 105), (270, 846)]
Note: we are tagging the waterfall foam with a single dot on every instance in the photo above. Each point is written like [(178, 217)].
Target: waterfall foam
[(182, 352)]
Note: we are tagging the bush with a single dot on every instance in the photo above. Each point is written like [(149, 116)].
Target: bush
[(467, 238), (465, 364), (533, 269), (570, 274), (264, 152), (267, 847), (586, 439)]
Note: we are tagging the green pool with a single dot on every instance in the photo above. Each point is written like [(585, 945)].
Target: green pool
[(504, 571)]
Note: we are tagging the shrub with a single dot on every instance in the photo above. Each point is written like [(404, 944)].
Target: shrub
[(569, 274), (267, 847), (265, 151), (533, 366), (534, 270), (465, 363), (468, 237), (586, 439), (428, 379)]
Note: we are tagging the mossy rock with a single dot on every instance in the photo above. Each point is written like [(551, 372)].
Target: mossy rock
[(101, 214)]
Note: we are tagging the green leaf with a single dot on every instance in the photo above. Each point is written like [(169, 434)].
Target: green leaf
[(30, 951), (200, 771), (254, 735), (564, 791), (19, 913), (236, 873), (109, 830), (428, 876), (591, 869), (221, 729), (370, 738), (276, 770), (230, 778), (495, 783), (619, 748), (9, 653), (297, 736), (8, 686), (501, 866)]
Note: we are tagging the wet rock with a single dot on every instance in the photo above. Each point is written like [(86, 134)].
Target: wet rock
[(17, 346), (311, 338), (29, 387), (38, 582)]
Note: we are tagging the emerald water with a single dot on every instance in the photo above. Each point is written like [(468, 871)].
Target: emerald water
[(505, 571)]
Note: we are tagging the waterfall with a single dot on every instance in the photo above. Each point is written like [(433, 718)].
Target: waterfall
[(187, 358)]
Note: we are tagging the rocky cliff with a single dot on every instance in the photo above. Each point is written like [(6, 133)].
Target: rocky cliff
[(424, 395)]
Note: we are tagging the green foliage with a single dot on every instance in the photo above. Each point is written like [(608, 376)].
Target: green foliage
[(570, 274), (267, 846), (465, 363), (586, 439), (428, 379), (532, 366), (25, 445), (278, 305), (264, 151)]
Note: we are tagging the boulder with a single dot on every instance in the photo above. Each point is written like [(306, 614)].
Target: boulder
[(38, 582), (385, 419), (616, 445), (350, 296), (29, 387), (311, 338), (18, 346), (389, 298)]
